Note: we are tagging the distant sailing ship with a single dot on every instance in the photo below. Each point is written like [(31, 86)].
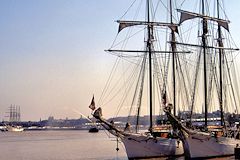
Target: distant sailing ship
[(14, 118), (13, 128)]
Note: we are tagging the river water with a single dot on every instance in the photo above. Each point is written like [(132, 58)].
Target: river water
[(59, 145)]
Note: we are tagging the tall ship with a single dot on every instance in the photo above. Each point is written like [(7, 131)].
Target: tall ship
[(14, 118), (214, 84), (180, 61), (140, 79)]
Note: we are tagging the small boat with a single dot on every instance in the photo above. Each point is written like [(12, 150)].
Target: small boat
[(3, 128), (93, 130)]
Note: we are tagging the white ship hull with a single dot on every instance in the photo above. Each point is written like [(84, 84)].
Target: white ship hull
[(202, 145), (14, 129), (205, 147), (143, 146)]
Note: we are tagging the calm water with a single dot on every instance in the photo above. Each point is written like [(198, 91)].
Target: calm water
[(59, 145)]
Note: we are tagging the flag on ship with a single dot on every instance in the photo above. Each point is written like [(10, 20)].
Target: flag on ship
[(92, 105)]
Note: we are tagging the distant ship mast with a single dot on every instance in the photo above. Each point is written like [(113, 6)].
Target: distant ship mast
[(14, 113)]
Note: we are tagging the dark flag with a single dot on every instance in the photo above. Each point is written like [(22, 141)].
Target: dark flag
[(92, 105)]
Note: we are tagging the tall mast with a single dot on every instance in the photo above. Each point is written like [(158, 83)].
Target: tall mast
[(204, 37), (149, 47), (220, 44), (173, 47)]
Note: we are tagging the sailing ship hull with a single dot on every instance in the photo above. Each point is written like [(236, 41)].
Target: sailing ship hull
[(14, 129), (207, 147), (202, 145), (144, 146), (141, 145)]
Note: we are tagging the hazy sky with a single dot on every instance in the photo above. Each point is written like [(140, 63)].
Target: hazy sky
[(51, 53)]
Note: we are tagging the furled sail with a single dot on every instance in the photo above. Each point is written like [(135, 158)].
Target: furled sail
[(185, 15), (125, 24)]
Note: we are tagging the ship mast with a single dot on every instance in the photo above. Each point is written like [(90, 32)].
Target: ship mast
[(204, 37), (185, 15), (220, 44), (149, 49), (173, 47)]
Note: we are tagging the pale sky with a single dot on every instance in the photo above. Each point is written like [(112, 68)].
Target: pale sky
[(52, 57)]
